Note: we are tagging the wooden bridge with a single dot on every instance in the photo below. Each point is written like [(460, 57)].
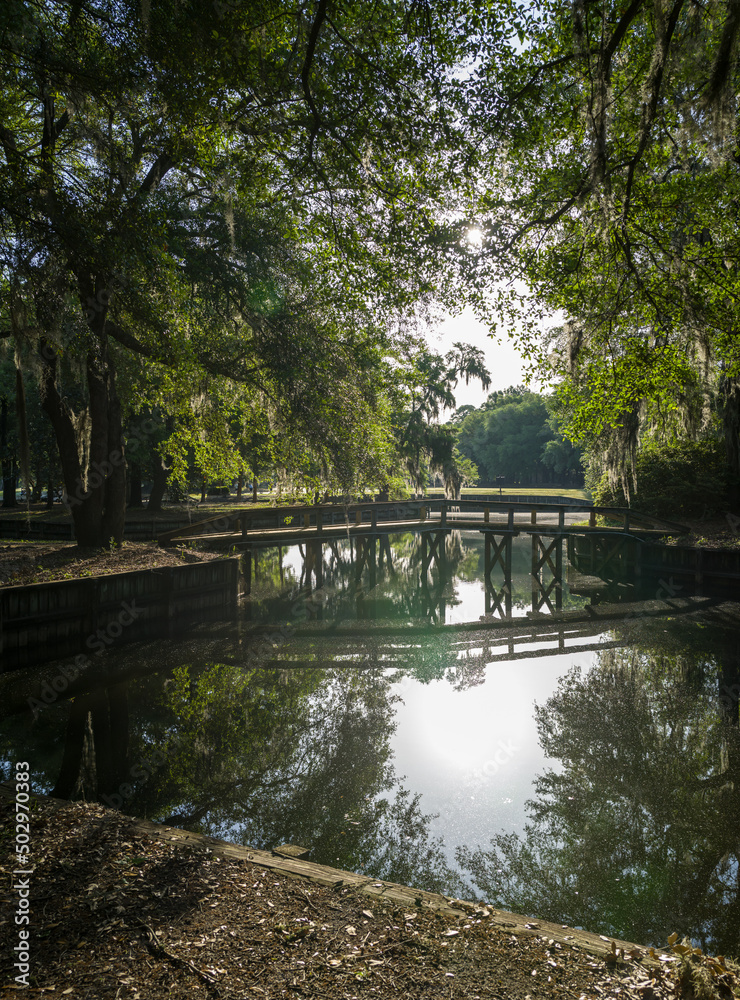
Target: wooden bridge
[(266, 526), (550, 525)]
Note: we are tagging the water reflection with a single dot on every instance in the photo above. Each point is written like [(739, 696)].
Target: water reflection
[(297, 721), (636, 829), (255, 756), (440, 577)]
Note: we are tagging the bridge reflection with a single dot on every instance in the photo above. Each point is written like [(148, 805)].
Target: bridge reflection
[(370, 564)]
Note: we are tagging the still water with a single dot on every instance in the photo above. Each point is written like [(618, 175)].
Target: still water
[(586, 772)]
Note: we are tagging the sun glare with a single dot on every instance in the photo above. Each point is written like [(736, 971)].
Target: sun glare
[(475, 236)]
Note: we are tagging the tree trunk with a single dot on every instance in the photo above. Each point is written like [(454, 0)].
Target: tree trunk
[(239, 486), (159, 485), (134, 477), (74, 738), (254, 489), (8, 464), (37, 483), (50, 482), (10, 483), (96, 495)]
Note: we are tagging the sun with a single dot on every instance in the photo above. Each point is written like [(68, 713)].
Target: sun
[(474, 236)]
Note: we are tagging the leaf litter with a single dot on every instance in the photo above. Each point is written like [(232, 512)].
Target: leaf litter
[(117, 913)]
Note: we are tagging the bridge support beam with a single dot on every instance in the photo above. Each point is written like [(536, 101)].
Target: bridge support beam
[(547, 554), (314, 564), (245, 564), (498, 556), (432, 553)]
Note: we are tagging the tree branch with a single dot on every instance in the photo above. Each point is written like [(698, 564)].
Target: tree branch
[(310, 49), (227, 369), (649, 109), (621, 30), (156, 174)]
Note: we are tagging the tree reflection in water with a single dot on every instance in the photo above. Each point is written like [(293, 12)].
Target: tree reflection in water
[(637, 832), (264, 756)]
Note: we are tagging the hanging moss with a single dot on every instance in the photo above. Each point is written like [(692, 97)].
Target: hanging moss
[(682, 479)]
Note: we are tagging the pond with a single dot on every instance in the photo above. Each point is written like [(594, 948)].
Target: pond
[(576, 768)]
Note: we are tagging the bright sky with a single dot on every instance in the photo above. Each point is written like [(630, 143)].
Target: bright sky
[(502, 359)]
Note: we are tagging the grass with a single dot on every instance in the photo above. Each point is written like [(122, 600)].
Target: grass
[(470, 492)]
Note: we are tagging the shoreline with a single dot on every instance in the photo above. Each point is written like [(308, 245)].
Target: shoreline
[(135, 908)]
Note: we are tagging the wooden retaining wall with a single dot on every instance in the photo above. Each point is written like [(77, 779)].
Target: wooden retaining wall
[(632, 559), (68, 617)]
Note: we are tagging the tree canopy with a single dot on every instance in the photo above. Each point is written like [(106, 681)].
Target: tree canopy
[(213, 201), (612, 163), (236, 214)]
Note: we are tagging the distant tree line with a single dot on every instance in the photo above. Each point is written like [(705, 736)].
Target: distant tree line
[(514, 437)]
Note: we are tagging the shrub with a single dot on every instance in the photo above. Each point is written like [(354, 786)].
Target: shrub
[(690, 478)]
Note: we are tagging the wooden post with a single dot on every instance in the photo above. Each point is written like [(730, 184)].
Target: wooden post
[(244, 521), (561, 519), (306, 520), (487, 515), (422, 513), (592, 519), (627, 520), (507, 576), (443, 514), (510, 520), (372, 558), (319, 522), (358, 517), (533, 517)]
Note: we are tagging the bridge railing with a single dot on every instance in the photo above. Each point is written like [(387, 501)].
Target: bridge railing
[(445, 512)]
